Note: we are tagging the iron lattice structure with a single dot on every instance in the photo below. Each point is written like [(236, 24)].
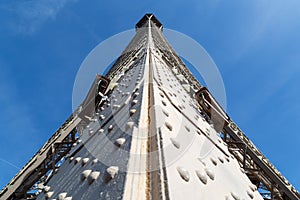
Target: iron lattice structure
[(149, 130)]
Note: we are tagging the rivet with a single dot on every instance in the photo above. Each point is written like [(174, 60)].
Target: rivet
[(112, 171), (110, 128), (102, 117), (250, 194), (47, 188), (202, 176), (199, 132), (129, 125), (93, 176), (161, 94), (235, 195), (214, 161), (132, 111), (221, 159), (134, 102), (120, 141), (187, 128), (252, 187), (183, 173), (242, 170), (79, 141), (85, 174), (101, 130), (135, 94), (85, 160), (228, 197), (164, 103), (207, 131), (49, 194), (95, 161), (71, 158), (74, 144), (203, 163), (165, 112), (77, 160), (116, 106), (101, 108), (169, 126), (175, 143), (62, 195), (210, 173)]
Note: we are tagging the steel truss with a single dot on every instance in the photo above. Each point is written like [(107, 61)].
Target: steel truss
[(36, 173)]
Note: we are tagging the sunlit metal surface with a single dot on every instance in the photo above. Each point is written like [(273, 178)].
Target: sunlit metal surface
[(153, 133)]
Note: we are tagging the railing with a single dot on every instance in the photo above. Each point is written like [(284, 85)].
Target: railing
[(25, 174), (56, 147), (266, 169)]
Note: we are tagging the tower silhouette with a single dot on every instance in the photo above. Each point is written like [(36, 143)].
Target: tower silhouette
[(148, 129)]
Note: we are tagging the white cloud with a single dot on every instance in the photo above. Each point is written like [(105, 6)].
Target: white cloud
[(9, 163), (31, 15)]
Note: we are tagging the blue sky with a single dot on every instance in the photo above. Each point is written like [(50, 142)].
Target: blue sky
[(255, 45)]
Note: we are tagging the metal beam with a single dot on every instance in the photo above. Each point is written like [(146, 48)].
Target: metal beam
[(258, 159)]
